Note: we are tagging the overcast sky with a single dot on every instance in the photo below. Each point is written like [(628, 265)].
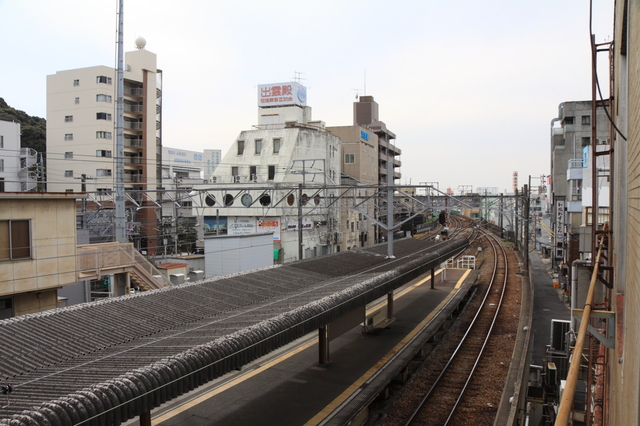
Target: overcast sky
[(469, 87)]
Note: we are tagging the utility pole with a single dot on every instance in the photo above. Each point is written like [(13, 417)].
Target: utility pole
[(300, 241)]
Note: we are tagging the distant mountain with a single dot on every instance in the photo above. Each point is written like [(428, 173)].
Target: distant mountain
[(33, 129)]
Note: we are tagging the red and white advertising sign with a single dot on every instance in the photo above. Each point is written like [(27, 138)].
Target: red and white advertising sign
[(281, 94), (270, 224)]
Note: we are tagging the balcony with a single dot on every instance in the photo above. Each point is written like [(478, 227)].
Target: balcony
[(135, 143), (133, 108), (131, 178), (132, 160), (133, 91), (133, 125)]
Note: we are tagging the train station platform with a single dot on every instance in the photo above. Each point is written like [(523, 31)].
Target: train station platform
[(290, 387)]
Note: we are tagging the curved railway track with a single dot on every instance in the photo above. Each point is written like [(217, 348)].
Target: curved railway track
[(438, 406)]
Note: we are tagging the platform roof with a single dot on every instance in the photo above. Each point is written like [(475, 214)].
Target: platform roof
[(111, 360)]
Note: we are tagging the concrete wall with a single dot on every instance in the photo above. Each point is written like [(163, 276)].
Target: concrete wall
[(625, 369), (230, 254)]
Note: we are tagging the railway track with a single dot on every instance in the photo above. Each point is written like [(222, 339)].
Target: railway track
[(439, 404)]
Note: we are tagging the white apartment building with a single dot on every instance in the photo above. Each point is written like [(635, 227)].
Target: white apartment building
[(15, 161), (249, 192), (81, 136), (181, 172)]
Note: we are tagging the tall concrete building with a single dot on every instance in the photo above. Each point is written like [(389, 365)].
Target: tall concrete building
[(81, 116), (366, 113), (286, 149), (571, 134), (374, 135), (360, 166)]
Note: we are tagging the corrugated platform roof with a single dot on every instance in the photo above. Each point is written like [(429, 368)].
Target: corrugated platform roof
[(110, 360)]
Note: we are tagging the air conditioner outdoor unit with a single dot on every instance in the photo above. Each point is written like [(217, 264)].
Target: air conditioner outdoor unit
[(205, 181), (236, 179), (559, 329), (254, 178), (214, 179)]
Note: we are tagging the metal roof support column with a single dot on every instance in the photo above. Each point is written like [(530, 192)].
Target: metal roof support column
[(390, 306), (433, 278), (323, 345), (145, 418)]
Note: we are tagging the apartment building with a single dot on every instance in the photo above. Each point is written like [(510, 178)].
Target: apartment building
[(571, 171), (81, 116), (15, 162), (359, 157)]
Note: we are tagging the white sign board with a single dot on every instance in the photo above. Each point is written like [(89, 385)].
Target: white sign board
[(560, 213), (280, 94)]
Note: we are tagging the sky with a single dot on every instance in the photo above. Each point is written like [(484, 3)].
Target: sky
[(468, 87)]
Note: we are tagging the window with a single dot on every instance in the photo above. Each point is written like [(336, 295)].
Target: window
[(68, 137), (586, 141), (258, 146), (1, 184), (1, 164), (103, 116), (68, 173), (68, 118), (15, 239), (1, 141), (103, 98), (103, 135), (349, 159), (103, 79), (240, 147), (76, 82), (586, 120), (253, 172), (68, 154), (234, 171), (103, 172), (276, 146), (68, 190), (103, 153), (568, 120), (272, 172), (77, 101)]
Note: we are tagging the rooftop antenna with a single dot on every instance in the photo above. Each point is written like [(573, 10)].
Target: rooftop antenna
[(365, 82), (298, 77)]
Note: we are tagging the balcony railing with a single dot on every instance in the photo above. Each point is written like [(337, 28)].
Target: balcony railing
[(133, 108), (135, 125), (132, 178), (575, 163), (137, 143), (133, 91), (132, 160)]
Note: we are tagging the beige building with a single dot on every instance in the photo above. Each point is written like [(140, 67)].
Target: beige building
[(37, 250), (81, 136), (359, 156), (623, 361)]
